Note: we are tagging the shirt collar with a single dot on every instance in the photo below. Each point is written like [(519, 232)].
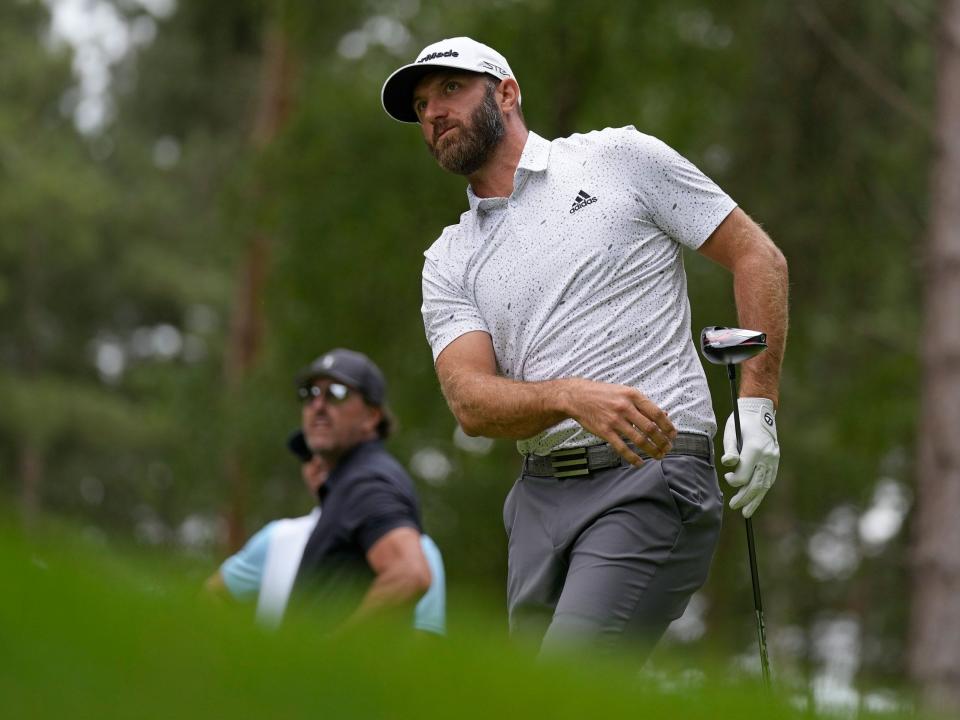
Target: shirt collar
[(536, 153), (534, 158)]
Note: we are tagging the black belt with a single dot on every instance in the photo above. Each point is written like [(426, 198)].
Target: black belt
[(581, 461)]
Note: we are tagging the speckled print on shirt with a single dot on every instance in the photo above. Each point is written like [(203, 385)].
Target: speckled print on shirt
[(596, 293)]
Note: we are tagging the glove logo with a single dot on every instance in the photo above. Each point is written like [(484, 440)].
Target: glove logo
[(768, 419)]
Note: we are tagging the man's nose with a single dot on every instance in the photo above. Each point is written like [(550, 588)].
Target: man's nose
[(435, 109), (317, 402)]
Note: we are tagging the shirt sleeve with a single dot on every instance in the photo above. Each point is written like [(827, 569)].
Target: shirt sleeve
[(680, 200), (430, 614), (243, 571), (376, 508), (447, 311)]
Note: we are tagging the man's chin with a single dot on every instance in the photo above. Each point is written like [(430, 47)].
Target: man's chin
[(453, 162), (319, 443), (443, 152), (448, 152)]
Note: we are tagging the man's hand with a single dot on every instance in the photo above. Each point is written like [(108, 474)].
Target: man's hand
[(756, 464), (613, 412), (215, 588)]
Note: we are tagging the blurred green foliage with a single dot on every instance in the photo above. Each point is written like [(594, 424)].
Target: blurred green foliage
[(91, 631), (107, 244)]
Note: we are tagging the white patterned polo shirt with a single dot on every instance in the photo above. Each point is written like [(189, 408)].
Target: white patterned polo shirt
[(579, 273)]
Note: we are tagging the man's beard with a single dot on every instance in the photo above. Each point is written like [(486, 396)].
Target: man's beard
[(477, 140)]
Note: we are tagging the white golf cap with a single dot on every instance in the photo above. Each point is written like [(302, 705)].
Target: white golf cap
[(460, 53)]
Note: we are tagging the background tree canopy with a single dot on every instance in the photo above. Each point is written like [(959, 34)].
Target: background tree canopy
[(230, 200)]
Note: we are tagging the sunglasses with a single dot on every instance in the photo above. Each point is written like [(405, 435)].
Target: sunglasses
[(334, 394)]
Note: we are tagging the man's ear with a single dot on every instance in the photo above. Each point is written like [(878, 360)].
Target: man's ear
[(509, 94), (374, 416)]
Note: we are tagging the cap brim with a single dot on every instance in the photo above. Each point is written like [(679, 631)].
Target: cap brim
[(397, 93), (309, 374)]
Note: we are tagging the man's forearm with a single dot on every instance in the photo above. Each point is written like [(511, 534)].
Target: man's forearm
[(487, 404), (497, 407), (389, 591), (760, 285)]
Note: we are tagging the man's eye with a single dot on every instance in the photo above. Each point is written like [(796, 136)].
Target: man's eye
[(451, 86)]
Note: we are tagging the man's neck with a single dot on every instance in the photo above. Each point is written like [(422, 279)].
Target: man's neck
[(334, 456), (495, 178)]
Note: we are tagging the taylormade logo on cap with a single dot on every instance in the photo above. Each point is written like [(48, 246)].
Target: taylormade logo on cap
[(460, 53), (432, 56)]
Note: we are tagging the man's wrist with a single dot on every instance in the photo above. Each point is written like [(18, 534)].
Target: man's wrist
[(754, 402), (748, 391), (557, 396)]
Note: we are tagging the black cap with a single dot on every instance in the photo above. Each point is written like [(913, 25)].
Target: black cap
[(297, 444), (351, 368)]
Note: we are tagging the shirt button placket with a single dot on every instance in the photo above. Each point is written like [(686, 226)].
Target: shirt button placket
[(516, 217)]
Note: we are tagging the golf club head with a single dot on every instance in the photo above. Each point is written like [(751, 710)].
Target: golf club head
[(731, 346)]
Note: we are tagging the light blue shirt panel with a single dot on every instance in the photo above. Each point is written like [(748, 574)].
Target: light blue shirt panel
[(430, 614), (243, 571)]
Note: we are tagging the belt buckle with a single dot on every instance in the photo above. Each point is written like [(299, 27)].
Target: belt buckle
[(571, 462)]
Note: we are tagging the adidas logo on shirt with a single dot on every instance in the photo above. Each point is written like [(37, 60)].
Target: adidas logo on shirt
[(583, 199)]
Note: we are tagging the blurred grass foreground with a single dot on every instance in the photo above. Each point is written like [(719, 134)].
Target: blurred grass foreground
[(87, 630)]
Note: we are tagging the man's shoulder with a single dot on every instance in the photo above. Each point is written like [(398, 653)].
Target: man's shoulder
[(262, 536), (376, 464), (448, 240), (378, 486), (610, 139)]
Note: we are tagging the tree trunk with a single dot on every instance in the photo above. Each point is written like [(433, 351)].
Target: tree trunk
[(30, 461), (30, 469), (246, 324), (935, 609), (246, 330)]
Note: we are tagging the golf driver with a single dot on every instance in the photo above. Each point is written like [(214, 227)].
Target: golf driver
[(731, 346)]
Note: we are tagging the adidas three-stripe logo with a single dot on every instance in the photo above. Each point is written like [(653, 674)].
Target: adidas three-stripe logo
[(583, 199)]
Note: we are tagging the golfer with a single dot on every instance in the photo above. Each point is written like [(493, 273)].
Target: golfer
[(558, 316), (267, 564), (364, 555)]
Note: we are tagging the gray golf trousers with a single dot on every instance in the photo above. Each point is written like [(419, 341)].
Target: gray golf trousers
[(608, 561)]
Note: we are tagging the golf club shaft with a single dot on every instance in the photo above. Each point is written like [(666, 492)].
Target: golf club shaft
[(758, 604), (751, 545)]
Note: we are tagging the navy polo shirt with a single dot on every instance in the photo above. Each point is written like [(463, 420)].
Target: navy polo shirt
[(366, 495)]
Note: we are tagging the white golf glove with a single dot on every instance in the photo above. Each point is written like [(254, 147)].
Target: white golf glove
[(756, 464)]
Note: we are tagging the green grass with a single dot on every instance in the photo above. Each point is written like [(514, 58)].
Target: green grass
[(94, 631)]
